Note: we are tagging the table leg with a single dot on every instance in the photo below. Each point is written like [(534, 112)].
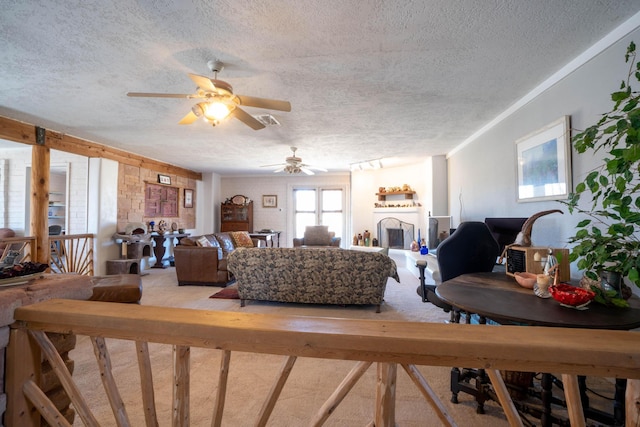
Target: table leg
[(546, 394), (158, 251)]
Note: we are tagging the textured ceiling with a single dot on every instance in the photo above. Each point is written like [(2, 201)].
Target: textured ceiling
[(366, 79)]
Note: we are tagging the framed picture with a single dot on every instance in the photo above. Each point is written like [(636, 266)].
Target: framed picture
[(164, 179), (270, 201), (543, 163), (188, 198)]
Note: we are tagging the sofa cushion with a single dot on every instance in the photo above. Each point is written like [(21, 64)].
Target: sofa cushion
[(204, 242), (212, 239), (226, 243), (241, 239), (188, 241), (317, 235)]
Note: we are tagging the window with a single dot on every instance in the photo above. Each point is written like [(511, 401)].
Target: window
[(319, 206)]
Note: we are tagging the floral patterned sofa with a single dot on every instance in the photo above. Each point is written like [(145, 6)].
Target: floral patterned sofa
[(318, 276)]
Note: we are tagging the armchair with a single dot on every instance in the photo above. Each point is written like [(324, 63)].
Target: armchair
[(317, 236), (470, 249)]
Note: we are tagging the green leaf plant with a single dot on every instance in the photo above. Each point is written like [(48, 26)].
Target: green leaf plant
[(608, 240)]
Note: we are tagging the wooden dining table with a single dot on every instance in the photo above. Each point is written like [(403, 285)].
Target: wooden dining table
[(498, 297)]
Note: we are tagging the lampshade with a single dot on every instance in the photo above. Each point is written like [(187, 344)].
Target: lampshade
[(216, 111)]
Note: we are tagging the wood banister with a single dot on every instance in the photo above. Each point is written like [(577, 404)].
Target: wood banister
[(602, 353)]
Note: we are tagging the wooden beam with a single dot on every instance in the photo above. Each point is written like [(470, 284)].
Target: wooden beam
[(24, 133)]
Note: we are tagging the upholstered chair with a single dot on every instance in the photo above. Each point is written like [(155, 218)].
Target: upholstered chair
[(317, 235), (470, 249)]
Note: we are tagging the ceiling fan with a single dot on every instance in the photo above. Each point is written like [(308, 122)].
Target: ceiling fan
[(219, 101), (293, 164)]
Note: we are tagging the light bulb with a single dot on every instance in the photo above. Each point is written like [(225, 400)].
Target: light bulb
[(216, 111)]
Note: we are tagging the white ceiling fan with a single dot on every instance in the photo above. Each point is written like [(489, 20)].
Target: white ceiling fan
[(293, 164), (219, 100)]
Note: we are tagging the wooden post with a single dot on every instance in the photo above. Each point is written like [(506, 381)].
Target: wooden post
[(385, 414), (23, 356), (40, 163)]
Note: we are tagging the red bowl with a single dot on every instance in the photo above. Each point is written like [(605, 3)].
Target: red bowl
[(570, 295)]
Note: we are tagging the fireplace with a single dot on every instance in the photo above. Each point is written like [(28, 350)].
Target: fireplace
[(395, 234)]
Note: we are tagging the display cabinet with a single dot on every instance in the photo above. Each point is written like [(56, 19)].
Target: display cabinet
[(236, 217)]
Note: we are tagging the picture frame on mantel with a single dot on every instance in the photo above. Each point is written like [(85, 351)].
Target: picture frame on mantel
[(270, 201), (188, 198), (164, 179), (543, 163)]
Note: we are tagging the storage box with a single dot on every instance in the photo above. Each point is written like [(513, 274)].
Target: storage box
[(532, 259)]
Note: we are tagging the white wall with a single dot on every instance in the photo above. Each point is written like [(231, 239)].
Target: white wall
[(254, 187), (482, 180), (14, 180)]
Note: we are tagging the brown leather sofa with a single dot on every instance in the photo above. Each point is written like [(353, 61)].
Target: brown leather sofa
[(202, 260)]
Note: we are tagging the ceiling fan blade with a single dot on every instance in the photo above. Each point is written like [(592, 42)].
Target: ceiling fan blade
[(269, 104), (160, 95), (306, 170), (319, 169), (280, 169), (202, 82), (247, 119), (188, 119), (275, 164)]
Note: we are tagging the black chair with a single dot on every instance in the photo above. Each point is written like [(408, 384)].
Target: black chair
[(55, 230), (470, 249)]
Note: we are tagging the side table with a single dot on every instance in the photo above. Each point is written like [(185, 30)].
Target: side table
[(159, 249)]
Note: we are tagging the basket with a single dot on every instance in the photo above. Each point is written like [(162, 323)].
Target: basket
[(517, 383), (570, 295)]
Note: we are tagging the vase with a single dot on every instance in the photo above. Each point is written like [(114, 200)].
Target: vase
[(612, 280)]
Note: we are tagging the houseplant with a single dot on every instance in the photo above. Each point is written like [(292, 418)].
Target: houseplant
[(608, 240)]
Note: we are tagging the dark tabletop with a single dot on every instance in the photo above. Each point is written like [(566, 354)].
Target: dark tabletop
[(499, 297)]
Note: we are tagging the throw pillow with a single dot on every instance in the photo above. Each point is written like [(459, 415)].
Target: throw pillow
[(204, 242), (241, 239), (317, 236)]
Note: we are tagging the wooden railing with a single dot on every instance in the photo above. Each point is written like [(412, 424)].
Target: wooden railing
[(71, 254), (570, 352), (68, 253)]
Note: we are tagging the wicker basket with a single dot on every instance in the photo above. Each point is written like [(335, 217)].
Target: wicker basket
[(518, 383)]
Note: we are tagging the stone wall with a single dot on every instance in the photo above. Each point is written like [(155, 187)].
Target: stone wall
[(132, 182)]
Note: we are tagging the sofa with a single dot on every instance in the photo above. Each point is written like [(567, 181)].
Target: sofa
[(202, 260), (315, 276), (317, 236)]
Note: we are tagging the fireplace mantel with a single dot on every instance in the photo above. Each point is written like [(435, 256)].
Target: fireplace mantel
[(412, 209)]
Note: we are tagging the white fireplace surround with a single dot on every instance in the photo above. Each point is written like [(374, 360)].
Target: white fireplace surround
[(409, 215)]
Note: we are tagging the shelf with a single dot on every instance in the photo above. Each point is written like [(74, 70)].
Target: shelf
[(408, 195)]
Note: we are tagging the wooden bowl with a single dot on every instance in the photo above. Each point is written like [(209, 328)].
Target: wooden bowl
[(526, 280)]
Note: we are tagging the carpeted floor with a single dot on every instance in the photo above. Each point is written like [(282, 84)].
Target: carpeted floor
[(251, 375)]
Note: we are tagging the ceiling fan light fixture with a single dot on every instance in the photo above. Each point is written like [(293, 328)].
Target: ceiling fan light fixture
[(216, 111)]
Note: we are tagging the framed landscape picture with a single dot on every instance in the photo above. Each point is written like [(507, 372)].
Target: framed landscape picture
[(543, 163), (270, 201)]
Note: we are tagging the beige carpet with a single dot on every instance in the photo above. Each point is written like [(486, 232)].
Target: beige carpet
[(251, 375)]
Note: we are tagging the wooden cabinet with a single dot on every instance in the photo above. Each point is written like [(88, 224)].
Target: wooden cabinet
[(236, 217)]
